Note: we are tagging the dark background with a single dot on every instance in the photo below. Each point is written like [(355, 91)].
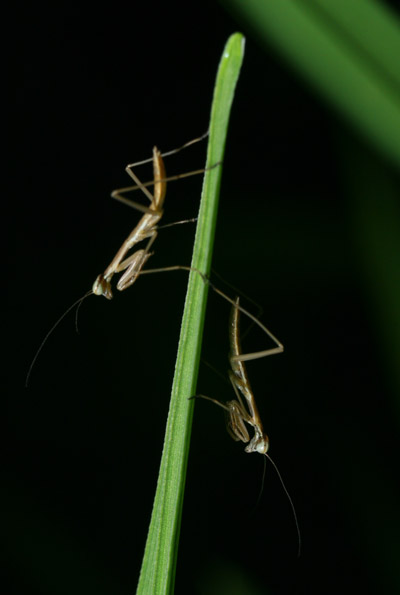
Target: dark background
[(94, 90)]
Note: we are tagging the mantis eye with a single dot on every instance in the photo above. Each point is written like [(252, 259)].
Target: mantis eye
[(102, 287), (263, 444)]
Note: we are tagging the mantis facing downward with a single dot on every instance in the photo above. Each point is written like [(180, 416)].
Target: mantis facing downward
[(237, 415), (147, 226), (132, 265)]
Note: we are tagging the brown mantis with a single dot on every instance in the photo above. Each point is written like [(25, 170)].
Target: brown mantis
[(236, 412), (147, 228)]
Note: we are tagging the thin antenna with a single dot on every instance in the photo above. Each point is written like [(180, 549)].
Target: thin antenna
[(77, 302), (260, 493), (290, 501)]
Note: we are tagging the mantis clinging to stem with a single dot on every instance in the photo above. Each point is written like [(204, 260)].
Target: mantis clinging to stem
[(147, 228), (237, 415)]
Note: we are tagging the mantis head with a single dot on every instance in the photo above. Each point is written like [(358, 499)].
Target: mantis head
[(102, 287), (259, 443)]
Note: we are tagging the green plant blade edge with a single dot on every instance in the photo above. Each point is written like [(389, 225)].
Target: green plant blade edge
[(159, 562)]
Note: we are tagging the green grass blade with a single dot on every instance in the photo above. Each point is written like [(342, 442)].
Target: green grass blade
[(159, 562), (318, 39)]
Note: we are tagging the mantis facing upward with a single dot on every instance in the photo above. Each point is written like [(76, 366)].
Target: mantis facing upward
[(237, 416)]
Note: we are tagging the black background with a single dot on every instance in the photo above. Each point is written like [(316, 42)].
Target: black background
[(96, 89)]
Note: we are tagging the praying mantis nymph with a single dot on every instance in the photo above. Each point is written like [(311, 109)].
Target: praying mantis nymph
[(237, 415), (147, 228)]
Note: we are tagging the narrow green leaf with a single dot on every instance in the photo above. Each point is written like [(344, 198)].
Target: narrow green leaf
[(159, 562)]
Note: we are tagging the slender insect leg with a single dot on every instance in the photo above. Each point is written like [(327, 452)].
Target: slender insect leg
[(132, 203), (172, 152), (134, 264), (134, 177), (243, 356), (222, 405), (235, 381), (236, 416), (193, 220), (188, 174)]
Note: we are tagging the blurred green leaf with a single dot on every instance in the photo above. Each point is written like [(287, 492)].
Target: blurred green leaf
[(348, 51)]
